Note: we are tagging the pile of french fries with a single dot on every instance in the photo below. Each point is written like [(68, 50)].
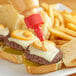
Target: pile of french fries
[(63, 24)]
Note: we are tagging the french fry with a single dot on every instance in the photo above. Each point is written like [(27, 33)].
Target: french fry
[(45, 6), (60, 42), (62, 25), (43, 12), (46, 18), (67, 31), (71, 26), (60, 34), (69, 18), (65, 12), (57, 23), (73, 13), (52, 37), (59, 16), (51, 13), (58, 46), (74, 17)]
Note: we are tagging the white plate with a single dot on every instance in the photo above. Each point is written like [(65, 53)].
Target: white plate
[(10, 69)]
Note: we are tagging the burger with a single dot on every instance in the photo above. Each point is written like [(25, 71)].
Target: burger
[(15, 45), (4, 33), (39, 61)]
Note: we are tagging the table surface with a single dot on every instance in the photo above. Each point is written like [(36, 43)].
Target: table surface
[(70, 3)]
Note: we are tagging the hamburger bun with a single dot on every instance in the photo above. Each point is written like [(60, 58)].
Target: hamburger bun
[(11, 57), (43, 68)]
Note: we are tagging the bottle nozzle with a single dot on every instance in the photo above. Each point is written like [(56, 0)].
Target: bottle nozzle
[(39, 33)]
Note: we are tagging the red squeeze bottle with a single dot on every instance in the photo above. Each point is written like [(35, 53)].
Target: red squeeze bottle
[(33, 20)]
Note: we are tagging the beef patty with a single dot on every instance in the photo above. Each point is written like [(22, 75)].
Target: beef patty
[(13, 45), (3, 37), (40, 60)]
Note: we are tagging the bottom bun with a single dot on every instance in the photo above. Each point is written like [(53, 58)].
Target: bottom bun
[(43, 68), (11, 57)]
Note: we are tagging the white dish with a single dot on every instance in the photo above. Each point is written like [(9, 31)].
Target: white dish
[(10, 69)]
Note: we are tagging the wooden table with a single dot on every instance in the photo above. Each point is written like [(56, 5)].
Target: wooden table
[(69, 3)]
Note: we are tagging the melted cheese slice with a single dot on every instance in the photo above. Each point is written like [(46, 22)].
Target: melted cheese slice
[(38, 44), (22, 35), (4, 31), (48, 55), (23, 43)]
